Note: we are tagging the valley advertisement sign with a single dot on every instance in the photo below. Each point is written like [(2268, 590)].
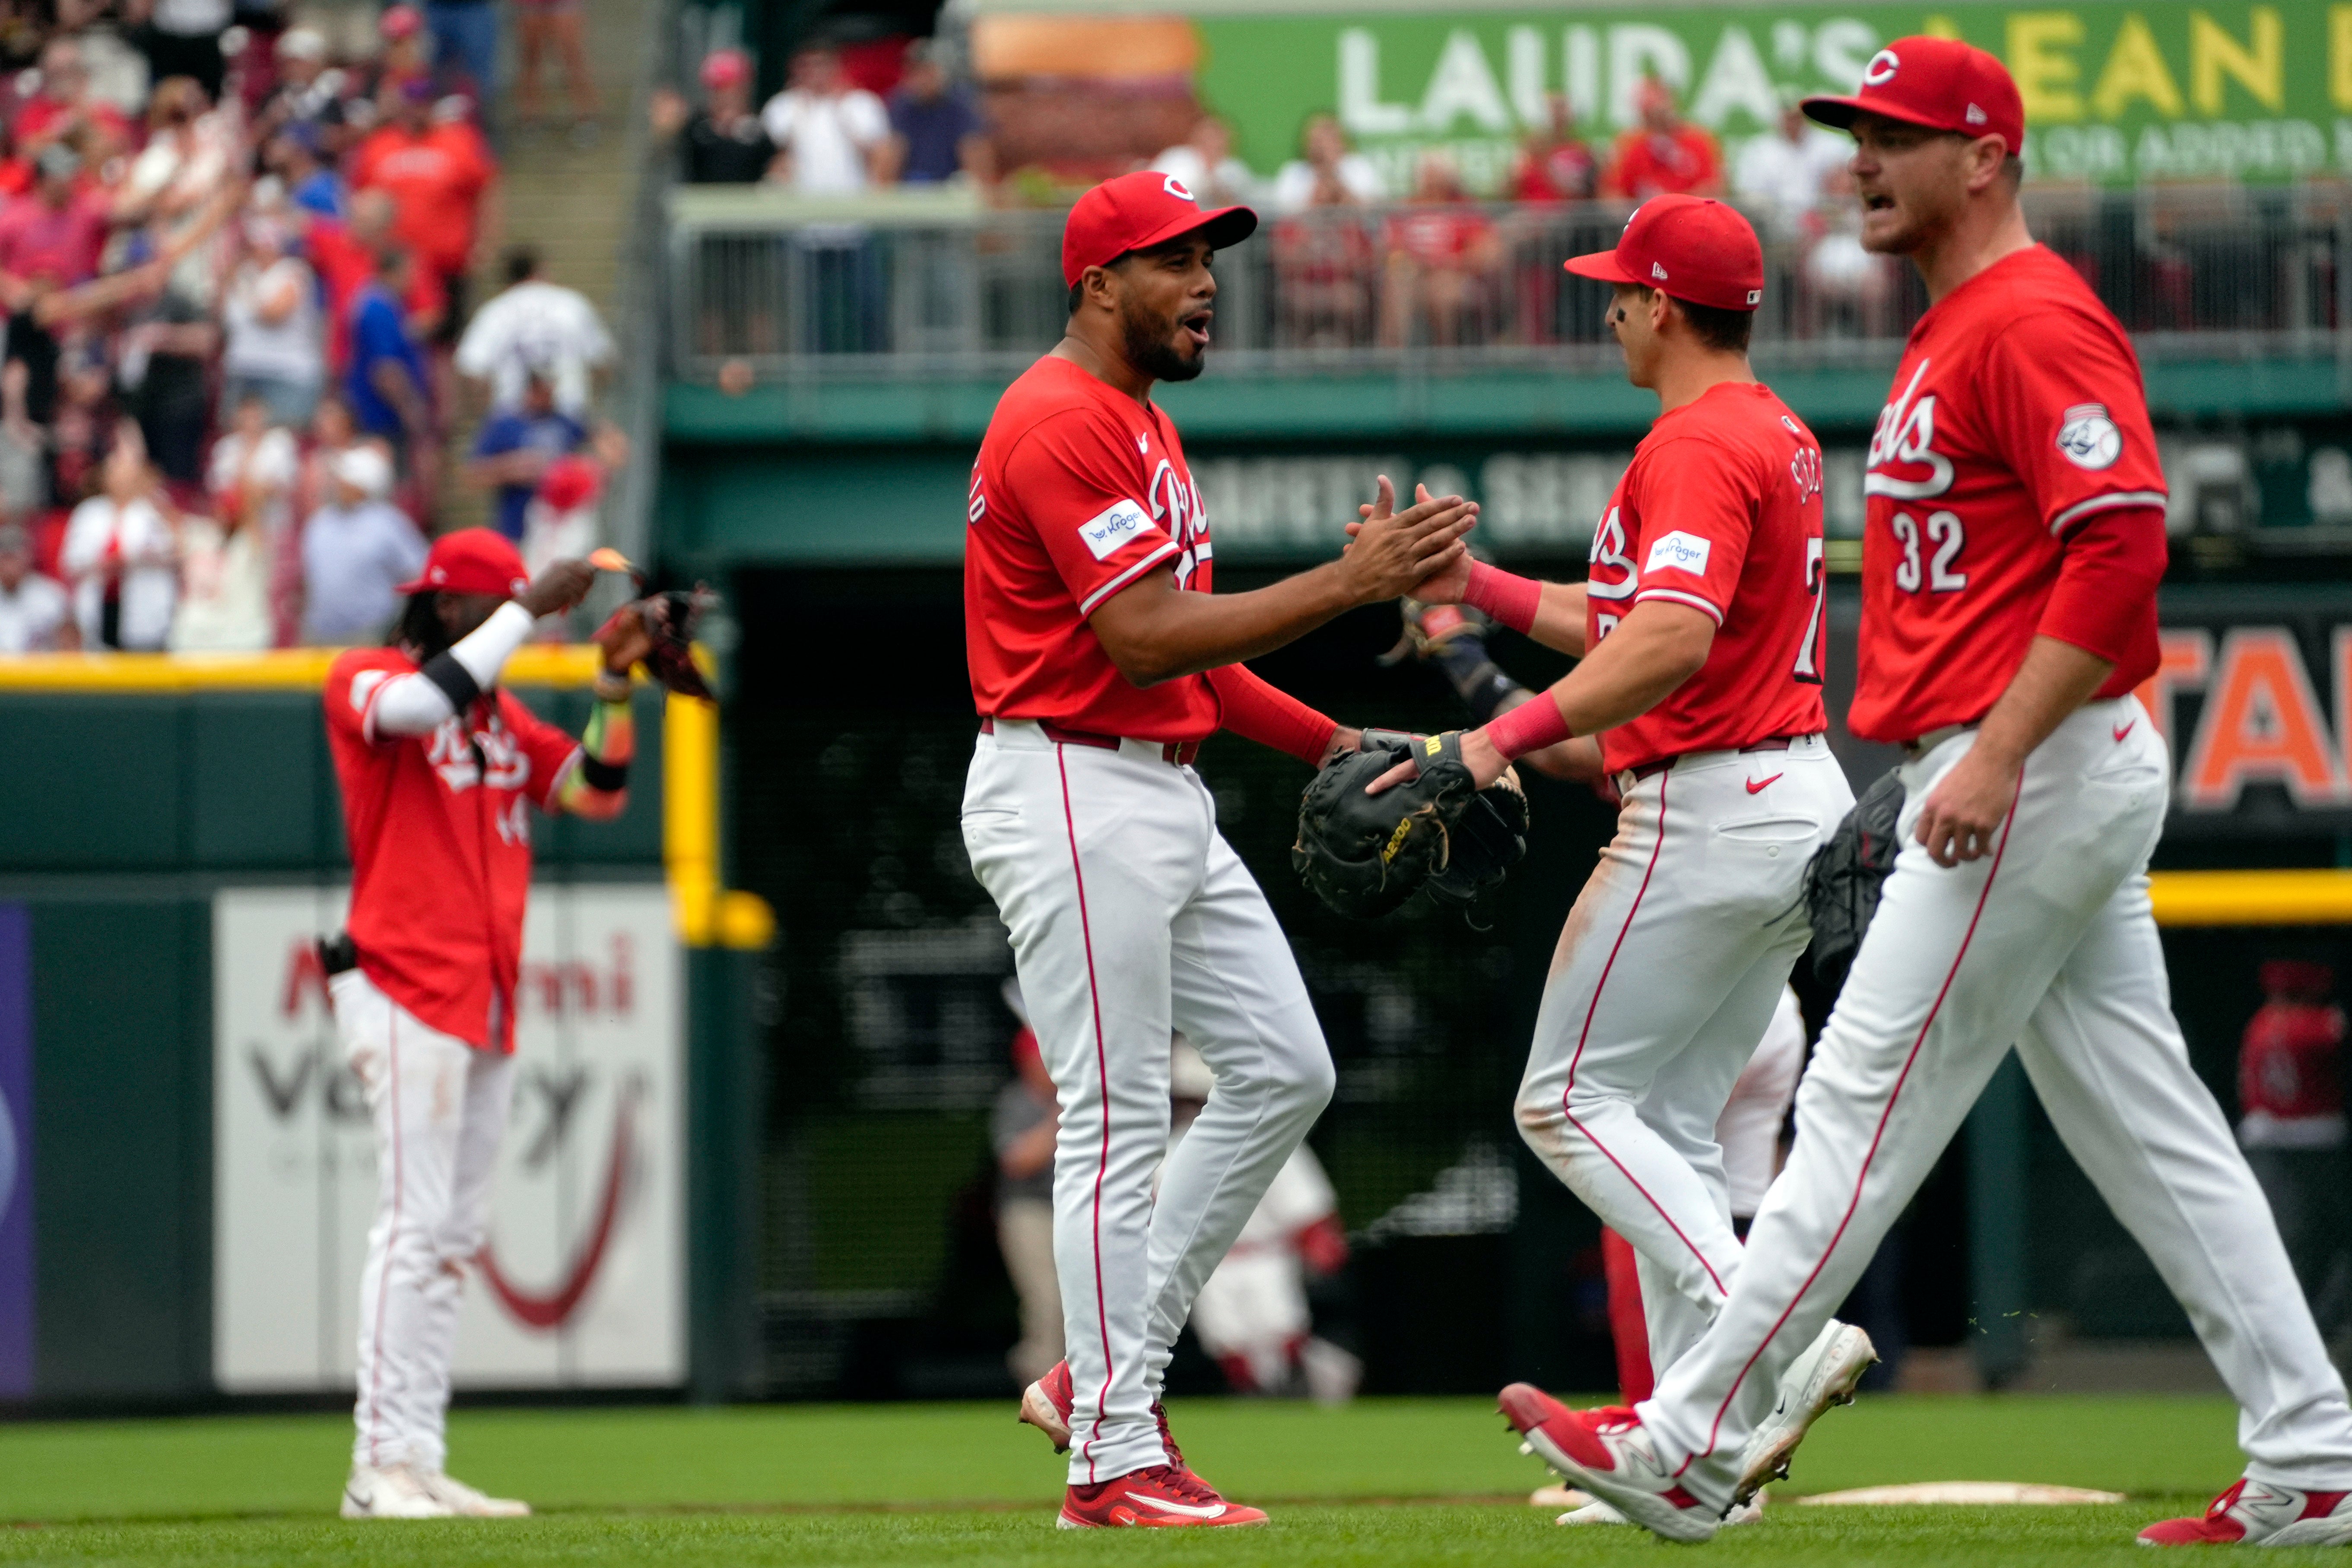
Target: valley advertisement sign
[(2114, 93), (582, 1281)]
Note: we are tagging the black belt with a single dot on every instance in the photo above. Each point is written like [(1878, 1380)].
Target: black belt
[(338, 954), (1179, 753), (1769, 743)]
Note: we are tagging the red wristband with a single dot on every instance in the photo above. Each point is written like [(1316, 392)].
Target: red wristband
[(1530, 726), (1510, 599)]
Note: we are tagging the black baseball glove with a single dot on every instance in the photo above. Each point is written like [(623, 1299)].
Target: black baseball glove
[(1490, 839), (1364, 855), (1843, 879)]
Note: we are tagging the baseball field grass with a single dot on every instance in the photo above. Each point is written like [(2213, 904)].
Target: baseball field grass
[(1393, 1482)]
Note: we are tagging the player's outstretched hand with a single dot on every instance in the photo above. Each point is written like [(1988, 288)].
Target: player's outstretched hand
[(625, 638), (559, 588), (1478, 754), (1394, 550), (1962, 813), (1443, 586)]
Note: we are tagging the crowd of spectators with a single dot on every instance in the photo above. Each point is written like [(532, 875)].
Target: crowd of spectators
[(1361, 256), (235, 265)]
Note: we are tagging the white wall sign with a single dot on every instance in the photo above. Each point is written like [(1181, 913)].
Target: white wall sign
[(582, 1281)]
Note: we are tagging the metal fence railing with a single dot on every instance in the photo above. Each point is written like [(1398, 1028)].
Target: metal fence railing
[(2192, 271)]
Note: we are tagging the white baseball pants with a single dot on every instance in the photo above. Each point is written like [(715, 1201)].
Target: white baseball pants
[(2048, 943), (1130, 918), (440, 1110), (1667, 974)]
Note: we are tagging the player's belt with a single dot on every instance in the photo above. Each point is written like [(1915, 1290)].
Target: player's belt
[(1915, 750), (1178, 753), (1769, 743)]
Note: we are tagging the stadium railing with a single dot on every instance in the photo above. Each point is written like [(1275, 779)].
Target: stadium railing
[(901, 285)]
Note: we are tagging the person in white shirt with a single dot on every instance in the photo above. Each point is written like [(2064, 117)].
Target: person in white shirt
[(226, 560), (121, 554), (34, 617), (357, 551), (1325, 149), (275, 334), (1204, 163), (1779, 176), (831, 132), (531, 328)]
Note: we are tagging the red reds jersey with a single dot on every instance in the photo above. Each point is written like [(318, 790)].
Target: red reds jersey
[(1079, 492), (2018, 420), (441, 844), (2287, 1064), (1720, 511)]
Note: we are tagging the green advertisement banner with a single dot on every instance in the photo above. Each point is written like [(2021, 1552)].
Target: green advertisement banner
[(2114, 93)]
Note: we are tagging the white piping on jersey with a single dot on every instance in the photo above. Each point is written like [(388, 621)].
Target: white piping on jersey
[(2083, 508), (1086, 605), (1693, 600)]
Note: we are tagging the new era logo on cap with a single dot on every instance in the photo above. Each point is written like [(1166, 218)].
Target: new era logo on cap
[(1976, 115), (1657, 272)]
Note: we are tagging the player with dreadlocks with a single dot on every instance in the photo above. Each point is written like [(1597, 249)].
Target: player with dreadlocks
[(439, 764)]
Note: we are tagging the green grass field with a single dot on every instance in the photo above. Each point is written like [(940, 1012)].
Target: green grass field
[(1392, 1482)]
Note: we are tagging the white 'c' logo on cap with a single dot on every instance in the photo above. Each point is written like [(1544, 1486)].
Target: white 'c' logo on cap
[(1175, 187), (1881, 69)]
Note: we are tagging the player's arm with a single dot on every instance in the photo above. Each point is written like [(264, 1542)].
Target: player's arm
[(447, 683), (598, 788), (1155, 631), (2108, 517), (1256, 710), (1659, 645)]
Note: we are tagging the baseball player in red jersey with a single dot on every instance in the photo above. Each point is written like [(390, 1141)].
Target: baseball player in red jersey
[(2016, 538), (439, 768), (1100, 661), (1701, 625)]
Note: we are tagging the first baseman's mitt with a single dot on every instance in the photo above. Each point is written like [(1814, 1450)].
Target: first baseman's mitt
[(1843, 879), (1364, 855), (1490, 839)]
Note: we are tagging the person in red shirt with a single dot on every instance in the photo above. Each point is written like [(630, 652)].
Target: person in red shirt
[(1442, 252), (1100, 661), (64, 104), (1664, 154), (345, 255), (440, 768), (440, 177), (2291, 1125), (2015, 538), (1553, 162), (51, 237), (1700, 627)]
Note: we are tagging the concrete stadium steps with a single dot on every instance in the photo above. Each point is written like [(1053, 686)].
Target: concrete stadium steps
[(573, 202)]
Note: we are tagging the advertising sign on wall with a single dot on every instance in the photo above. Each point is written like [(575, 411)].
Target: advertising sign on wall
[(582, 1283), (15, 1152), (2114, 93)]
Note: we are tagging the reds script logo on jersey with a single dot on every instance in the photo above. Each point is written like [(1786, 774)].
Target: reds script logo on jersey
[(1904, 444), (1175, 503)]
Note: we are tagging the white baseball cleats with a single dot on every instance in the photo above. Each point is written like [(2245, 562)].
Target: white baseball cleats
[(390, 1491), (403, 1491), (1825, 1376), (2254, 1513), (470, 1504)]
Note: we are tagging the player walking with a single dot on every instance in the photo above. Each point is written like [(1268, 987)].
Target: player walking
[(437, 765), (2016, 536), (1700, 629), (1100, 661)]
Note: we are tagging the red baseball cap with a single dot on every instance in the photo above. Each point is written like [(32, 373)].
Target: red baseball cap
[(725, 68), (471, 561), (1138, 211), (1940, 83), (1692, 247)]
